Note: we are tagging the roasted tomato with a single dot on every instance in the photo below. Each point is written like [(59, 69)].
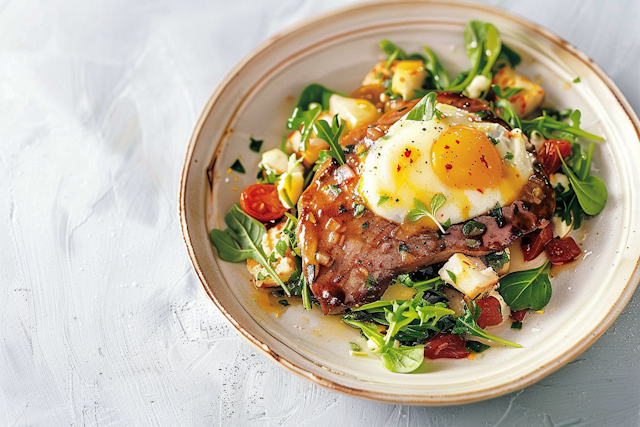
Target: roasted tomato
[(519, 315), (534, 244), (261, 202), (549, 154), (563, 250), (490, 314), (446, 346)]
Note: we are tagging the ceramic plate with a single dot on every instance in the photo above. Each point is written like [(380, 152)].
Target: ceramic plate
[(337, 50)]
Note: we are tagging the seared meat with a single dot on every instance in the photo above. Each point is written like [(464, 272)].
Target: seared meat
[(350, 261)]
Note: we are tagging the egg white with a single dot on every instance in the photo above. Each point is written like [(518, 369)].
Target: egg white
[(389, 184)]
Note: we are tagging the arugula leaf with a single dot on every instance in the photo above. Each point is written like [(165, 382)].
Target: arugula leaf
[(468, 323), (509, 55), (243, 240), (331, 134), (403, 359), (420, 286), (425, 109), (552, 128), (438, 73), (315, 93), (508, 113), (421, 210), (527, 289), (590, 190), (304, 120)]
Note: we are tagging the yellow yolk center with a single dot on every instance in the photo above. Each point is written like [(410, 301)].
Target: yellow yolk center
[(463, 157)]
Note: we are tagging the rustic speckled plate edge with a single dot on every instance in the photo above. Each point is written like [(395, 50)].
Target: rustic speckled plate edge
[(189, 218)]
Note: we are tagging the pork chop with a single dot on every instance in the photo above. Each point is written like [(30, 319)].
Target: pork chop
[(350, 257)]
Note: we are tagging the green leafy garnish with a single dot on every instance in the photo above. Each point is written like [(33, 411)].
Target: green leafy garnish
[(452, 276), (438, 73), (590, 190), (508, 113), (425, 109), (243, 240), (552, 128), (420, 210), (576, 80), (382, 200), (421, 285), (468, 323), (331, 134), (527, 289), (398, 315), (315, 93), (237, 166), (483, 45), (255, 144)]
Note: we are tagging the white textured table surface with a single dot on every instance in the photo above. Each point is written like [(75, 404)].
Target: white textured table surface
[(103, 320)]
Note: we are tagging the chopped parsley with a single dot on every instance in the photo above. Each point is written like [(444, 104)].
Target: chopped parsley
[(255, 144), (237, 166)]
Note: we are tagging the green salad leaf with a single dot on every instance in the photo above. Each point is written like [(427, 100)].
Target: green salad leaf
[(527, 289), (468, 323), (590, 190), (243, 240), (331, 134), (420, 210)]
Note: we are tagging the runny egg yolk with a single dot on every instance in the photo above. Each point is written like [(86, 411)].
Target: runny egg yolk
[(464, 158)]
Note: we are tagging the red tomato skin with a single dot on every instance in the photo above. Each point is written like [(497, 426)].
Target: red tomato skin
[(536, 243), (489, 312), (447, 346), (519, 315), (548, 154), (261, 201), (562, 251)]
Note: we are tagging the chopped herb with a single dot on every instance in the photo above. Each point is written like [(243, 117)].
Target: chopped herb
[(476, 346), (473, 243), (336, 190), (255, 144), (281, 247), (354, 347), (493, 140), (371, 282), (403, 248), (278, 293), (358, 210), (508, 156), (364, 225), (261, 276), (576, 80), (497, 260), (474, 228), (237, 166), (382, 200), (421, 210), (283, 302), (516, 325), (453, 277), (349, 149)]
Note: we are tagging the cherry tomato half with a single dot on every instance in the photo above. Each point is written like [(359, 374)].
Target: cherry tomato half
[(261, 202), (563, 250), (549, 154), (534, 244), (489, 312), (446, 346)]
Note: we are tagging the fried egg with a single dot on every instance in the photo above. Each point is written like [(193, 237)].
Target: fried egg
[(474, 164)]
